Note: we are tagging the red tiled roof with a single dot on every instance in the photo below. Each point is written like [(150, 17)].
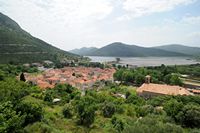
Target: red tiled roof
[(163, 89), (44, 85), (196, 91)]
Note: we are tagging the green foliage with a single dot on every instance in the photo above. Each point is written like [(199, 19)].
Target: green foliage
[(86, 111), (160, 74), (144, 110), (65, 92), (18, 46), (173, 107), (2, 75), (10, 121), (48, 96), (189, 116), (118, 49), (24, 108), (118, 123), (140, 79), (13, 90), (134, 99), (152, 124), (68, 111), (108, 109), (175, 80), (33, 111)]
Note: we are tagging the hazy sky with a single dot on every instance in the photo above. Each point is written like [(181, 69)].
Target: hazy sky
[(70, 24)]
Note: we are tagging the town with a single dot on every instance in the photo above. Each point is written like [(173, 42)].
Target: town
[(80, 77)]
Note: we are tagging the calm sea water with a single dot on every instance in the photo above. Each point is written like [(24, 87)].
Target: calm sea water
[(146, 61)]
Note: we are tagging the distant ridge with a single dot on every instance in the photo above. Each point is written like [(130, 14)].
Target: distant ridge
[(180, 49), (18, 46), (84, 50), (119, 49)]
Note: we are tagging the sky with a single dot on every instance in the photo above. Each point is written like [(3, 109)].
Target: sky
[(69, 24)]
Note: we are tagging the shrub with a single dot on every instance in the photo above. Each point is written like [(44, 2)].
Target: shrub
[(86, 110), (189, 116), (33, 111), (68, 111), (172, 107), (10, 121), (118, 124), (108, 109)]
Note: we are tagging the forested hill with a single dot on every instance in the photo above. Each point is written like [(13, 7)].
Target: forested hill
[(123, 50), (84, 50), (18, 46), (180, 49)]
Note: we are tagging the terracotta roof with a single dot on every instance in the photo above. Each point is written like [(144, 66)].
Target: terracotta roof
[(196, 91), (44, 85), (64, 75), (163, 89)]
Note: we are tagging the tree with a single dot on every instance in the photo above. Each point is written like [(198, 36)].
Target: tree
[(139, 79), (167, 79), (118, 75), (22, 77), (175, 80), (118, 59), (189, 116), (68, 111), (128, 76), (48, 96), (127, 94), (134, 99), (86, 110), (172, 107), (118, 124), (33, 111), (10, 121), (108, 109), (1, 75)]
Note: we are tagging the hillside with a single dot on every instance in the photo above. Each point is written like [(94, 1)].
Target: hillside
[(123, 50), (84, 50), (180, 49), (113, 108), (18, 46)]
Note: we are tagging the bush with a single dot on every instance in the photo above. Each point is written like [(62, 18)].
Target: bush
[(189, 116), (86, 110), (33, 111), (152, 124), (172, 107), (108, 109), (118, 124), (68, 111), (48, 96), (10, 121), (134, 99)]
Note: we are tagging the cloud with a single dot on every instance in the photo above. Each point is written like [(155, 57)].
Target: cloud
[(67, 11), (138, 8), (59, 22), (191, 20), (69, 24)]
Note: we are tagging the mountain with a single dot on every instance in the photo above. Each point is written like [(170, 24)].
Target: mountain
[(17, 45), (180, 49), (118, 49), (84, 50)]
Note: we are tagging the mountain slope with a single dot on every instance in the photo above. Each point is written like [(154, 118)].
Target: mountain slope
[(123, 50), (83, 51), (16, 45), (180, 49)]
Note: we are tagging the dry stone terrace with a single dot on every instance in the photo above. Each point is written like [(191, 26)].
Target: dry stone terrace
[(76, 76)]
